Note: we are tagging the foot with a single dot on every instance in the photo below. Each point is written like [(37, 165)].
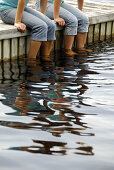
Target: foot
[(69, 52)]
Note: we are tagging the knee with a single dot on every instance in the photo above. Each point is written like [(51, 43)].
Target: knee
[(42, 27), (85, 20), (52, 26), (72, 22)]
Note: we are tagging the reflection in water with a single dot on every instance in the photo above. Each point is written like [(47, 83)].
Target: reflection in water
[(84, 150), (52, 102), (54, 148), (52, 95), (44, 147)]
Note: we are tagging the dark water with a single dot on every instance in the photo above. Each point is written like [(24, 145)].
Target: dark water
[(58, 114)]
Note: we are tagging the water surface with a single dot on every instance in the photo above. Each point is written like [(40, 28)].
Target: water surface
[(101, 1), (58, 114)]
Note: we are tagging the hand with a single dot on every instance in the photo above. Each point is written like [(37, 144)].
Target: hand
[(60, 21), (20, 26)]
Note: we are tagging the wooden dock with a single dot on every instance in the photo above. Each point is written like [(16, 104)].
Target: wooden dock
[(101, 17)]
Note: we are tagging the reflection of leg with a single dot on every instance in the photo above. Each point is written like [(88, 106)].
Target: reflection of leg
[(34, 48)]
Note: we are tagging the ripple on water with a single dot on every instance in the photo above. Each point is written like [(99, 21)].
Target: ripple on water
[(61, 108)]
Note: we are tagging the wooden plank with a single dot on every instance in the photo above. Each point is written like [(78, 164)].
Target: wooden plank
[(27, 44), (90, 34), (1, 76), (59, 40), (0, 49), (96, 32), (113, 29), (14, 47), (108, 30), (6, 49), (100, 18), (103, 31), (21, 46), (8, 31)]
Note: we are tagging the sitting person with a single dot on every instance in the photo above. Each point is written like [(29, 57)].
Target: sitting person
[(75, 22), (17, 13)]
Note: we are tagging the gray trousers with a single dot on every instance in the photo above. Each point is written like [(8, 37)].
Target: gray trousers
[(76, 21), (42, 28)]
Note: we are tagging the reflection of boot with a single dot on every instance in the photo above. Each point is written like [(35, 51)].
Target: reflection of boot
[(83, 51), (69, 52), (47, 64), (68, 58), (45, 58), (31, 61)]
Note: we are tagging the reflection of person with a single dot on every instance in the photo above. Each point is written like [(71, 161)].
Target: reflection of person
[(43, 147), (22, 100), (52, 147), (42, 28), (74, 21)]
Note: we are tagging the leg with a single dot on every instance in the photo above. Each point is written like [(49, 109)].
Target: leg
[(33, 49), (37, 26), (46, 45), (81, 40), (68, 41), (46, 48), (70, 29), (83, 24), (48, 22), (37, 22)]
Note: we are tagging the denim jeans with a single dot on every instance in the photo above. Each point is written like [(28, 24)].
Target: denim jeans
[(42, 28), (76, 21)]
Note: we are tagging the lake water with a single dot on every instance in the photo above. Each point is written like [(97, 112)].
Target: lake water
[(104, 2), (101, 1), (58, 114)]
